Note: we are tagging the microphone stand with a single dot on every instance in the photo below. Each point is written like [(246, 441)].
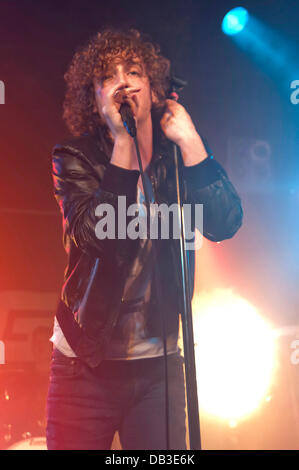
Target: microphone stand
[(186, 314)]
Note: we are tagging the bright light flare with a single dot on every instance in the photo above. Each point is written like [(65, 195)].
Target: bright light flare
[(235, 21), (235, 355)]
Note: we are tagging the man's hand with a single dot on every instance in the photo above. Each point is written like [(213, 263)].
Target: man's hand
[(177, 125), (108, 101)]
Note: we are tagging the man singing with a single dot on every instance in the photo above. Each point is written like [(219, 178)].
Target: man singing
[(107, 371)]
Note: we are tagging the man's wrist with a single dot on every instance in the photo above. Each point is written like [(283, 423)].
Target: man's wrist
[(122, 154), (193, 150)]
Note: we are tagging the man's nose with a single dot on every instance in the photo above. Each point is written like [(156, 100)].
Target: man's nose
[(122, 80)]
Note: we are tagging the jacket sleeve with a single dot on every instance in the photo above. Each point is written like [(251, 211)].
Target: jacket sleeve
[(207, 183), (79, 188)]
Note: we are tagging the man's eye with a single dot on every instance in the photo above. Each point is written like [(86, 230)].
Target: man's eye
[(106, 77), (134, 72)]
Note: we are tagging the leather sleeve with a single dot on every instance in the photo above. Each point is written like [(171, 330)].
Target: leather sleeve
[(79, 187), (207, 183)]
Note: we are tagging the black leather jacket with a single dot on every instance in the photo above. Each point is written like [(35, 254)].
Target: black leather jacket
[(96, 272)]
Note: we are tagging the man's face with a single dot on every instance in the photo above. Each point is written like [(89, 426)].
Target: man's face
[(125, 75)]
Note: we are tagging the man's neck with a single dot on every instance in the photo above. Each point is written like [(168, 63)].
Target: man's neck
[(145, 142)]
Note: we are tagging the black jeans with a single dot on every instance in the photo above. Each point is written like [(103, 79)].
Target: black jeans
[(85, 407)]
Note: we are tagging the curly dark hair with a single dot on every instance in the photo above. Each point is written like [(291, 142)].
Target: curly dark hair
[(92, 60)]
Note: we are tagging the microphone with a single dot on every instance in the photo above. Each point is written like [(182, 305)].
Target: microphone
[(128, 119)]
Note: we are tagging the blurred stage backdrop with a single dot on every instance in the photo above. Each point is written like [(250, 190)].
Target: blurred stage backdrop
[(242, 97)]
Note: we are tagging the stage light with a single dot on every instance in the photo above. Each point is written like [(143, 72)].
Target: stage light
[(235, 355), (235, 21), (268, 48)]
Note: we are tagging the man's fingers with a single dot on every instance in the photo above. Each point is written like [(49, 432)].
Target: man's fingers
[(166, 116)]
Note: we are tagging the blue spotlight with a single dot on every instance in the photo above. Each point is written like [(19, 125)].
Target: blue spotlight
[(235, 21)]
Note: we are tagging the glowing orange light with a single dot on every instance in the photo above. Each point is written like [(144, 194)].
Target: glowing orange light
[(235, 355)]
